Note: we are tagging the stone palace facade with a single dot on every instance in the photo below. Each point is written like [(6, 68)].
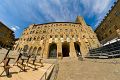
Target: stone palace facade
[(109, 28), (58, 39), (7, 36)]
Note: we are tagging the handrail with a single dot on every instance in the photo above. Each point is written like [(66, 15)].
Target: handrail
[(53, 74), (45, 73), (56, 71)]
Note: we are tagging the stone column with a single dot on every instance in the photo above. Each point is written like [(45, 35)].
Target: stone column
[(72, 50), (46, 49), (42, 51), (84, 49), (59, 49)]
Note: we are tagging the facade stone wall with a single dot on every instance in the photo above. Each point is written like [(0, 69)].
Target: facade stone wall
[(58, 39), (110, 26), (6, 36)]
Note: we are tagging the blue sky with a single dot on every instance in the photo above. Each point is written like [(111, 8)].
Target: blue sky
[(19, 14)]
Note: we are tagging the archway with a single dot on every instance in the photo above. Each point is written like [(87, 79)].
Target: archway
[(18, 50), (65, 49), (53, 50), (21, 49), (30, 50), (39, 51), (77, 48), (16, 47), (25, 48), (34, 50)]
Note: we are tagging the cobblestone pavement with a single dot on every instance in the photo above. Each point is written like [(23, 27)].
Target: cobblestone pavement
[(89, 69)]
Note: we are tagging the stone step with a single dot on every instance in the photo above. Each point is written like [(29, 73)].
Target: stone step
[(30, 74), (15, 70)]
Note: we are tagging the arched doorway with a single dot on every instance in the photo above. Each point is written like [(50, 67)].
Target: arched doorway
[(65, 49), (53, 50), (18, 50), (16, 47), (25, 48), (34, 50), (77, 48), (21, 49), (39, 51), (30, 50)]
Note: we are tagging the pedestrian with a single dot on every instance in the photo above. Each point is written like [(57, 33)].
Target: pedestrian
[(80, 57)]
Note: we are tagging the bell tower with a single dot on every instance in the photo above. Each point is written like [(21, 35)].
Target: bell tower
[(80, 20)]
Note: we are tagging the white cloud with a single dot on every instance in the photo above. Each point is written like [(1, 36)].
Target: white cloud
[(60, 10), (100, 6), (37, 11), (97, 7), (15, 28)]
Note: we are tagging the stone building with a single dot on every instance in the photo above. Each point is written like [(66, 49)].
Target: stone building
[(109, 28), (6, 36), (58, 39)]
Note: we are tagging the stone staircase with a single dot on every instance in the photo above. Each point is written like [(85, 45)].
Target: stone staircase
[(108, 51)]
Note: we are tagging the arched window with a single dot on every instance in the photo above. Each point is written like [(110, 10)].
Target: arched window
[(67, 36), (38, 38), (27, 39), (83, 36), (34, 38), (72, 36), (61, 36), (44, 31), (50, 36), (56, 36), (33, 31), (30, 39), (76, 36)]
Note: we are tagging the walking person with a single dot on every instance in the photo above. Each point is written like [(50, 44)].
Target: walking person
[(80, 56)]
